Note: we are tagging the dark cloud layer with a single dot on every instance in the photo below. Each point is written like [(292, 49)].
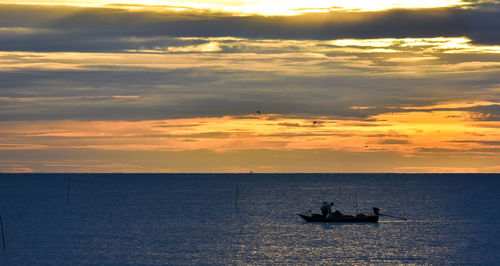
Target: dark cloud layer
[(177, 93), (106, 29)]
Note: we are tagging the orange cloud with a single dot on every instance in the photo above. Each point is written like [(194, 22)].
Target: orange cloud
[(410, 133)]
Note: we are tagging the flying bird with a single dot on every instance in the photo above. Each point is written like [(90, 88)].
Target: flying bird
[(258, 112)]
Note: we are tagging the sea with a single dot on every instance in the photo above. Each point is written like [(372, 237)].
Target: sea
[(248, 219)]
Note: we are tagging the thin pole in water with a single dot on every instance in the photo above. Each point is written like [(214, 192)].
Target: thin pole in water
[(69, 186), (3, 235), (236, 200), (357, 203)]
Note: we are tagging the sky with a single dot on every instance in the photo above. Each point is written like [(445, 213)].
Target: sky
[(239, 86)]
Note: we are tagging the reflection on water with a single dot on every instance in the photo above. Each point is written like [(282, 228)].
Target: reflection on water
[(191, 219)]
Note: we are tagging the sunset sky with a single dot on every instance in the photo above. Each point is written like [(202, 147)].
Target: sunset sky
[(175, 86)]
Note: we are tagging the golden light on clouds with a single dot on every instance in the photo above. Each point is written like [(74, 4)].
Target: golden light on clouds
[(267, 7), (411, 56)]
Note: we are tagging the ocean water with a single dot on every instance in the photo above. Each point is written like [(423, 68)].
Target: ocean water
[(184, 219)]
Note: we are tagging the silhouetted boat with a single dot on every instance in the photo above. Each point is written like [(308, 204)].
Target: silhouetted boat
[(338, 217)]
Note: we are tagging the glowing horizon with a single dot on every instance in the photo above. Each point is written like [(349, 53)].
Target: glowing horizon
[(406, 132)]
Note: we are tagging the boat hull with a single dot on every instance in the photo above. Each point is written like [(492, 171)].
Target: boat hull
[(344, 219)]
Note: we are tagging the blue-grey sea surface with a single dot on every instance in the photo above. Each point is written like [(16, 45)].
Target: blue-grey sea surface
[(183, 219)]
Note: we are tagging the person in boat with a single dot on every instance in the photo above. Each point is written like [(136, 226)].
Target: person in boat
[(326, 209)]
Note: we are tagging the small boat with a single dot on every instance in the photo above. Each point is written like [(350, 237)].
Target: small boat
[(338, 217)]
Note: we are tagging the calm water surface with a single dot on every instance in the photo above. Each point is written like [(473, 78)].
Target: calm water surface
[(191, 219)]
